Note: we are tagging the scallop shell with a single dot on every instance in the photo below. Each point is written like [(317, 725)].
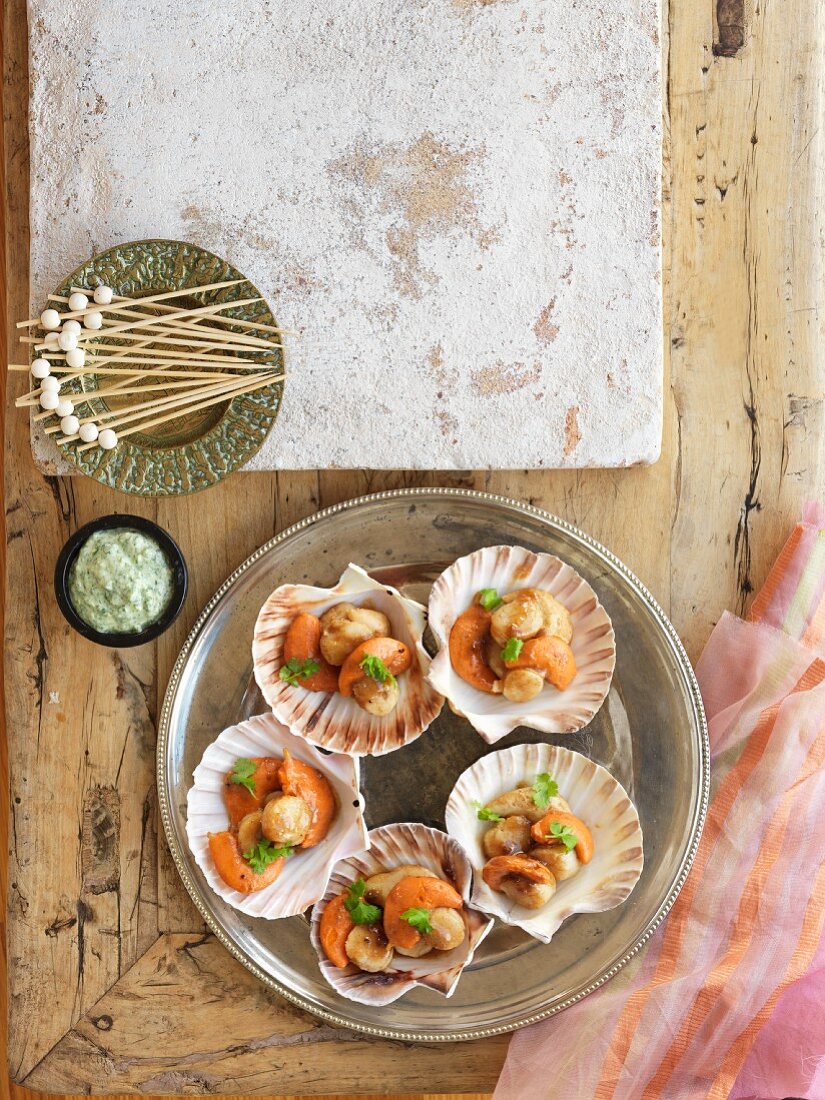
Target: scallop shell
[(304, 876), (333, 721), (594, 796), (390, 846), (506, 568)]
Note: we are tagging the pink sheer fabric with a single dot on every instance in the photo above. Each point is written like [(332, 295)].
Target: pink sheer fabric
[(728, 998)]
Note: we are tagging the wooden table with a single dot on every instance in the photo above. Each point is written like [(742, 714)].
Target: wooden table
[(114, 984)]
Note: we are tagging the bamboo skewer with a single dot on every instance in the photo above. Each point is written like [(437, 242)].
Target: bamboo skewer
[(151, 298), (219, 340), (200, 311), (161, 325), (115, 417), (153, 344), (123, 371), (195, 408), (85, 397), (259, 325), (87, 337), (82, 370), (132, 353), (152, 360)]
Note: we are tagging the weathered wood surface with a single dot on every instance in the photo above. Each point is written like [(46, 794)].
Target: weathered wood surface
[(98, 924)]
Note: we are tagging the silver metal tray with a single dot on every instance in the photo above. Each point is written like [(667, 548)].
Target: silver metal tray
[(650, 734)]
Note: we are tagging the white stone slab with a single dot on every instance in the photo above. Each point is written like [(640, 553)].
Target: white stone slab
[(456, 201)]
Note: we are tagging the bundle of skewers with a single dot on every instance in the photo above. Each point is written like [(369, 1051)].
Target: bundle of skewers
[(168, 361)]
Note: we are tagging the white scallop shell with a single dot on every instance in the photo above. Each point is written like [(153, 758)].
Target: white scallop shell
[(506, 568), (333, 721), (305, 874), (390, 846), (594, 796)]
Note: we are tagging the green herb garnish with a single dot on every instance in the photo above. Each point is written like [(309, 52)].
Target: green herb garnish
[(563, 834), (544, 788), (512, 650), (360, 911), (375, 668), (243, 773), (264, 853), (418, 919), (483, 814), (489, 599), (295, 670)]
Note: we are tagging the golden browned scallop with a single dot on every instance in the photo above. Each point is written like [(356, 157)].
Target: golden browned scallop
[(492, 655), (375, 697), (520, 685), (563, 864), (556, 617), (520, 616), (507, 837), (286, 820), (520, 878), (367, 947), (249, 831), (344, 627), (448, 929), (417, 952), (521, 801)]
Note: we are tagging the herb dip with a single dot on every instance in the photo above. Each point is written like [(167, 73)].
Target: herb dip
[(120, 582)]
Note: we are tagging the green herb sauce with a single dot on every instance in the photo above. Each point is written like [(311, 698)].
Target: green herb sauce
[(120, 582)]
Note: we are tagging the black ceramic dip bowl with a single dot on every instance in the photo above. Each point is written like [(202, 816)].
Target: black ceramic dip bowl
[(174, 558)]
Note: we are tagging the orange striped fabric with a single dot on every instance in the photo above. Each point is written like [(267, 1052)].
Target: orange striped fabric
[(694, 1018), (809, 940), (674, 933)]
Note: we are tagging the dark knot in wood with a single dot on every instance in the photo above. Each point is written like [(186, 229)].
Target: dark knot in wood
[(731, 27)]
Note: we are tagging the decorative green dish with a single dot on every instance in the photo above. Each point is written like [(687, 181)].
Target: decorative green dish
[(197, 449)]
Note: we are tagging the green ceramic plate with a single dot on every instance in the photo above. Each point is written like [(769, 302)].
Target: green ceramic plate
[(195, 450)]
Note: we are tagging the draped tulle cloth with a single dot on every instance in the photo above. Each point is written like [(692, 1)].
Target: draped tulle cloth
[(728, 1000)]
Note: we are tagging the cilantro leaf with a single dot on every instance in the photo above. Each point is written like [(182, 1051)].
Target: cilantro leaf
[(376, 669), (483, 814), (360, 911), (512, 650), (264, 853), (295, 670), (563, 834), (418, 919), (244, 773), (544, 788), (489, 599)]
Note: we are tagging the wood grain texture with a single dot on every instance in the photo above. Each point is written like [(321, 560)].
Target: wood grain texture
[(99, 927)]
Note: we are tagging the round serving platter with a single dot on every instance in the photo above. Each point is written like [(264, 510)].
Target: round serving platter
[(650, 733)]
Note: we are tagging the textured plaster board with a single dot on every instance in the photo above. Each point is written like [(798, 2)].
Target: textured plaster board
[(461, 213)]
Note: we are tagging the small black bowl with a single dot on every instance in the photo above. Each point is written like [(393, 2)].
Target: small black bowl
[(180, 580)]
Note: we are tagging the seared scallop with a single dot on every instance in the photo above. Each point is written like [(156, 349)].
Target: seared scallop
[(521, 802), (520, 685), (344, 627), (285, 820), (492, 654), (520, 616), (375, 697), (448, 929), (520, 878), (421, 948), (507, 837), (556, 617), (562, 863), (367, 947), (249, 831)]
